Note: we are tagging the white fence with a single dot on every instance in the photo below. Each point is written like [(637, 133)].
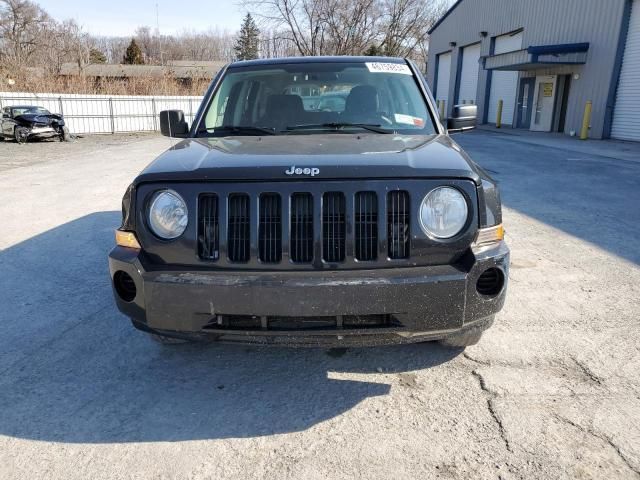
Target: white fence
[(105, 113)]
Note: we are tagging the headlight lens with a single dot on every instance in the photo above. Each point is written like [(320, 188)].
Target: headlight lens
[(168, 215), (443, 213)]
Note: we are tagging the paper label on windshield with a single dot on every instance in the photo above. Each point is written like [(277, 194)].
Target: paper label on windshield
[(377, 67), (409, 120)]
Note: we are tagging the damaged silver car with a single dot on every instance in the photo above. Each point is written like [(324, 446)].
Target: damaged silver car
[(23, 123)]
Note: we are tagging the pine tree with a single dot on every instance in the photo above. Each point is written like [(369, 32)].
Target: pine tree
[(96, 56), (247, 44), (133, 54), (374, 51)]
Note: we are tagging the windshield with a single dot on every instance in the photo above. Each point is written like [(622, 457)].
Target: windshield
[(316, 98), (29, 111)]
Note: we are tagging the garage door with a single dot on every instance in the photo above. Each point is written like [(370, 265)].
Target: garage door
[(626, 114), (504, 84), (469, 74), (444, 71)]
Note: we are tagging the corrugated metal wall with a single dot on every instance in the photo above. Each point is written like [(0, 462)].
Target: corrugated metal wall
[(626, 116), (545, 22)]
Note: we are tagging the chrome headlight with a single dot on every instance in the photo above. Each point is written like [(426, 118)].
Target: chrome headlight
[(443, 213), (168, 216)]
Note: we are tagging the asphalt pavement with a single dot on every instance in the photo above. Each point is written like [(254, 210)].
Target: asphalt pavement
[(551, 391)]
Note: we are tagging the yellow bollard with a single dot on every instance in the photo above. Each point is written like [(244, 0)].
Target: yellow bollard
[(586, 121), (441, 108), (499, 114)]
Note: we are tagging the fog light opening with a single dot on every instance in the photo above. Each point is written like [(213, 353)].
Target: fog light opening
[(125, 286), (490, 282)]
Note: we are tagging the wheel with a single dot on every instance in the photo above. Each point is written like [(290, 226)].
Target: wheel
[(65, 136), (167, 340), (467, 337), (20, 135)]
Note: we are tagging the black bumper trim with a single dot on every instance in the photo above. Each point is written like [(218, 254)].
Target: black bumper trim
[(428, 302)]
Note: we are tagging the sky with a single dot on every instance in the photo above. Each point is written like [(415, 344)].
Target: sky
[(122, 17)]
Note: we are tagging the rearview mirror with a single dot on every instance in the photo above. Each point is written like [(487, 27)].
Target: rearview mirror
[(173, 124), (464, 117)]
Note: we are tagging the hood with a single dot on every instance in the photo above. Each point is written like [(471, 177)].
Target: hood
[(312, 157), (31, 118)]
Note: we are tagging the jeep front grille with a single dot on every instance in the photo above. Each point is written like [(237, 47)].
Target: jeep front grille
[(270, 228), (238, 232), (398, 224), (366, 226), (333, 227), (208, 228), (304, 228)]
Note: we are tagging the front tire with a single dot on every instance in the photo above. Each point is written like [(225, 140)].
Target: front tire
[(20, 135), (65, 136), (467, 337)]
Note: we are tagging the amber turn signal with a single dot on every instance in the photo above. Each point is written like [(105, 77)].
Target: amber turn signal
[(127, 239), (487, 236)]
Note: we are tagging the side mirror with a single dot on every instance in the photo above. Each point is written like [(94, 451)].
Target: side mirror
[(173, 124), (5, 115), (464, 117)]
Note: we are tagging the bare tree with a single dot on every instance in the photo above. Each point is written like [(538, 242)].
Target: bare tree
[(276, 43), (149, 44), (67, 43), (347, 27), (405, 25), (350, 25), (300, 20), (21, 25)]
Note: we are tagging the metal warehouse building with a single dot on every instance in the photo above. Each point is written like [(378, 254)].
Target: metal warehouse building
[(545, 59)]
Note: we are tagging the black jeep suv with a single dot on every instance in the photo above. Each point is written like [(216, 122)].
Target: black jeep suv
[(284, 219)]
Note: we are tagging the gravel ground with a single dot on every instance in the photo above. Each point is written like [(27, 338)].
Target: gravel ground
[(552, 390), (13, 155)]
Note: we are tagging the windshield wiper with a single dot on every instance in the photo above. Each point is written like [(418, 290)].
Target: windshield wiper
[(341, 125), (241, 129)]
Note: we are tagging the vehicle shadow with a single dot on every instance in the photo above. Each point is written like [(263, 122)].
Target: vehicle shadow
[(588, 196), (72, 369)]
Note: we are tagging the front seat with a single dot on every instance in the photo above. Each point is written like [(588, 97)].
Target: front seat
[(282, 111), (362, 105)]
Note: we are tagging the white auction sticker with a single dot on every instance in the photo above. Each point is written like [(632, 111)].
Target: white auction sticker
[(389, 68)]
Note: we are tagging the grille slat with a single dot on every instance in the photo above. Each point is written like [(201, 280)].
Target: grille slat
[(238, 232), (208, 228), (270, 228), (398, 224), (302, 227), (333, 227), (366, 226)]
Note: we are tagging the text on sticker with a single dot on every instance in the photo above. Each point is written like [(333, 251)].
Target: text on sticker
[(377, 67)]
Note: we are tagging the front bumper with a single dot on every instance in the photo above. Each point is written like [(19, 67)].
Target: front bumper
[(42, 132), (424, 303)]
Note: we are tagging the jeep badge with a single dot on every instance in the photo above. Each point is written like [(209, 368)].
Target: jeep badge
[(302, 171)]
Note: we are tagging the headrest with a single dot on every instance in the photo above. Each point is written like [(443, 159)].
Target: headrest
[(362, 99), (288, 103)]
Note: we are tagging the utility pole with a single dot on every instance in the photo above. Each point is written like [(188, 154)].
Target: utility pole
[(158, 33)]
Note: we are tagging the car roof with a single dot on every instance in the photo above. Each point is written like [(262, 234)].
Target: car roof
[(26, 106), (334, 59)]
